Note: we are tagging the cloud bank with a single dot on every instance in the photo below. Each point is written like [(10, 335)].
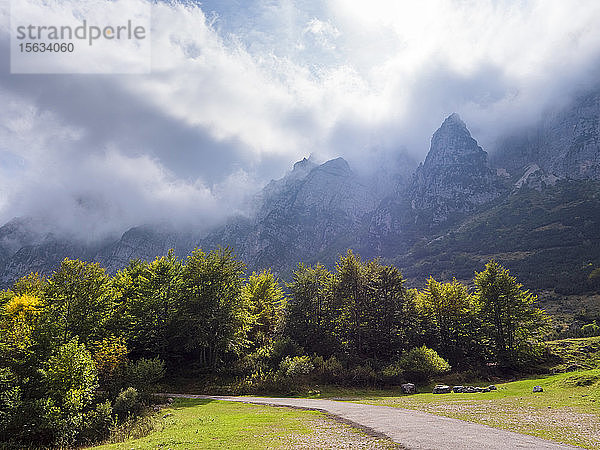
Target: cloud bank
[(241, 90)]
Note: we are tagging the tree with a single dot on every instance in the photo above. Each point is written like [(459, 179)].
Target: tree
[(265, 301), (79, 301), (510, 319), (150, 301), (370, 299), (71, 380), (452, 317), (211, 318), (310, 314)]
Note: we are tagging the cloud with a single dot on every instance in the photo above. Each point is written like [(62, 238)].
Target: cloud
[(241, 90)]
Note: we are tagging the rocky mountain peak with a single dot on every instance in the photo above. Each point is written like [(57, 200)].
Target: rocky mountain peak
[(303, 167), (455, 176), (452, 143)]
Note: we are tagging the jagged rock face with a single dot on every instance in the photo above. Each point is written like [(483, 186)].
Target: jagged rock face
[(455, 176), (26, 245), (566, 143), (145, 243), (43, 258), (535, 178), (16, 234), (310, 212), (453, 179)]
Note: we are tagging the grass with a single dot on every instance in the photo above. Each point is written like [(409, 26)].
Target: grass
[(206, 424), (581, 353), (567, 411)]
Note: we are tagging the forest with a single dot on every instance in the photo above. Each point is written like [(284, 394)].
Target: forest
[(82, 351)]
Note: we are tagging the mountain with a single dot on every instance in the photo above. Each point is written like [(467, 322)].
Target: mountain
[(311, 214), (534, 205), (453, 180), (455, 177), (145, 243), (564, 143)]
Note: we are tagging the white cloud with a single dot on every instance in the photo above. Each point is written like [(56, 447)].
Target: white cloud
[(240, 91)]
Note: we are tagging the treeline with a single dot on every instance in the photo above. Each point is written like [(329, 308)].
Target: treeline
[(81, 351)]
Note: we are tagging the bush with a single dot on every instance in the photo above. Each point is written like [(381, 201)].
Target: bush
[(419, 364), (71, 376), (98, 423), (71, 381), (364, 374), (143, 375), (128, 403), (296, 367)]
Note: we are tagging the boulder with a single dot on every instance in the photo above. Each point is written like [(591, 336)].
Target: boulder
[(408, 388), (492, 387), (441, 389), (470, 389), (459, 389), (538, 389)]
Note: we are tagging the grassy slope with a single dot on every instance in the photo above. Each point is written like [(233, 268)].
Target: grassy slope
[(582, 353), (206, 424), (549, 240)]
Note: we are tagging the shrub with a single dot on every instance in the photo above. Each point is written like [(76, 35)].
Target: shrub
[(71, 375), (419, 364), (364, 374), (71, 380), (98, 423), (143, 375), (296, 367), (128, 403)]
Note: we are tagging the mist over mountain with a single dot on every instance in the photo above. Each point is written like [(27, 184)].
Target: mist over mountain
[(535, 205)]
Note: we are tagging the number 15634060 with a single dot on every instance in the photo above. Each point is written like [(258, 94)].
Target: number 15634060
[(42, 47)]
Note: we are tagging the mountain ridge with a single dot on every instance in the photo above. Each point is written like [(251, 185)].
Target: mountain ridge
[(316, 211)]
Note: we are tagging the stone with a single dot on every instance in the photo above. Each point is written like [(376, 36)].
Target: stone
[(492, 387), (441, 389), (458, 389), (408, 388), (538, 389)]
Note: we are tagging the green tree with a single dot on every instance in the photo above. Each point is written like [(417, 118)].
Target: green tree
[(370, 298), (79, 301), (265, 301), (150, 301), (310, 314), (212, 318), (511, 321), (32, 284), (451, 314), (71, 381)]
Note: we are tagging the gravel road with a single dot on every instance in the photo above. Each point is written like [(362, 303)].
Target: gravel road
[(411, 429)]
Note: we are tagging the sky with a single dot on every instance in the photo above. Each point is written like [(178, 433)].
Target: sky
[(240, 90)]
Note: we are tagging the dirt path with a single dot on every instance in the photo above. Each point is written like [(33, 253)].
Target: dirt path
[(412, 429)]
